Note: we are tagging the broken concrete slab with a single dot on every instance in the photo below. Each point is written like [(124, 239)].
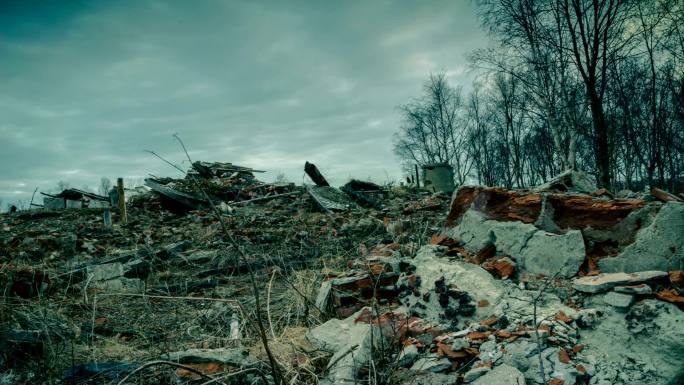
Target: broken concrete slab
[(650, 335), (660, 246), (619, 301), (550, 254), (315, 175), (330, 199), (570, 181), (502, 375), (119, 285), (475, 373), (105, 271), (606, 281), (349, 341), (642, 289), (234, 356), (432, 265), (536, 251), (568, 211), (431, 363)]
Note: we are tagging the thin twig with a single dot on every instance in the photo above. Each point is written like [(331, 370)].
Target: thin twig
[(218, 379), (170, 363), (275, 368)]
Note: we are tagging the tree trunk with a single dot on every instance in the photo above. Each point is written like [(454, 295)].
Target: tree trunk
[(600, 139)]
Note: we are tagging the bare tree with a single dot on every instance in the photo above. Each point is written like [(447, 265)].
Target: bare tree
[(105, 186), (434, 129), (596, 30)]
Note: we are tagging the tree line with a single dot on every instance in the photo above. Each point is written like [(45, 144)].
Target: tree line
[(594, 85)]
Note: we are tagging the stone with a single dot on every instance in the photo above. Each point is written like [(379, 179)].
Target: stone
[(234, 356), (340, 337), (105, 271), (408, 355), (642, 289), (431, 265), (569, 181), (432, 363), (502, 375), (588, 318), (650, 334), (119, 285), (550, 254), (426, 378), (607, 281), (459, 344), (517, 354), (618, 300), (536, 251), (659, 246), (475, 373)]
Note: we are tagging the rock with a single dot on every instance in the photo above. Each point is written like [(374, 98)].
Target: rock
[(549, 254), (234, 356), (606, 281), (537, 251), (517, 354), (137, 268), (323, 296), (501, 268), (569, 181), (577, 212), (651, 335), (340, 337), (502, 375), (105, 271), (618, 300), (475, 373), (660, 246), (431, 265), (431, 363), (408, 355), (426, 378), (459, 344), (641, 289), (588, 318), (119, 285)]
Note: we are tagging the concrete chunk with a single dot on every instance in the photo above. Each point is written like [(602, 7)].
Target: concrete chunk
[(606, 281), (660, 246), (502, 375), (549, 254), (618, 300), (105, 272)]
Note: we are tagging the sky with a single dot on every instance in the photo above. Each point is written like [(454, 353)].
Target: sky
[(86, 86)]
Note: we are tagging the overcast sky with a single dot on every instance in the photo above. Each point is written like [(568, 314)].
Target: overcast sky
[(86, 86)]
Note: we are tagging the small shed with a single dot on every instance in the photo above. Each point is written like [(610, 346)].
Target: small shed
[(438, 177)]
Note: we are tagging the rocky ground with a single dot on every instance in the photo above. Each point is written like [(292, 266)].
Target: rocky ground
[(562, 284)]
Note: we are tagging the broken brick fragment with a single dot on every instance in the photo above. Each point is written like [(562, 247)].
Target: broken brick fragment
[(561, 316), (677, 278), (563, 356), (501, 268), (556, 381), (670, 295)]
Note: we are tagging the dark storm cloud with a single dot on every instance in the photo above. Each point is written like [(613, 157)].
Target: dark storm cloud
[(87, 86)]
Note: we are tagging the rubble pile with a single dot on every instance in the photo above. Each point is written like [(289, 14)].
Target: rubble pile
[(168, 282), (560, 284)]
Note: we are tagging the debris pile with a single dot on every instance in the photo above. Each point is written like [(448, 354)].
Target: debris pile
[(554, 285), (560, 284)]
